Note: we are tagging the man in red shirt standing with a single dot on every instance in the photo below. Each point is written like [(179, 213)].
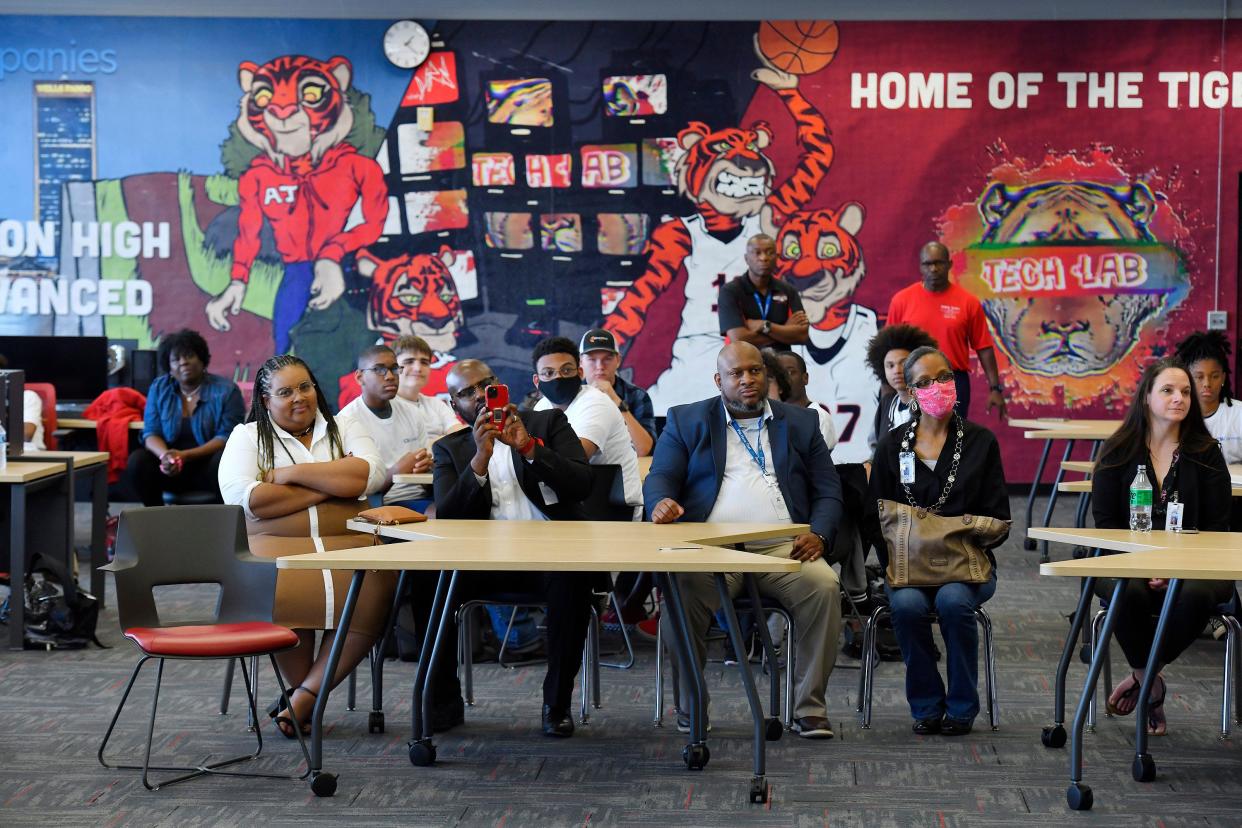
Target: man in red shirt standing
[(954, 317)]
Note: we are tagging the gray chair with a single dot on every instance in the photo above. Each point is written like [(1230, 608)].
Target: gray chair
[(196, 545), (866, 679)]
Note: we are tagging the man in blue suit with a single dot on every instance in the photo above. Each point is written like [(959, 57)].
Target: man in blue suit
[(744, 458)]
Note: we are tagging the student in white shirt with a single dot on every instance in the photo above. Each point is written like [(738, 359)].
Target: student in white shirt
[(415, 358), (886, 354), (594, 418), (1207, 355), (395, 424), (32, 420)]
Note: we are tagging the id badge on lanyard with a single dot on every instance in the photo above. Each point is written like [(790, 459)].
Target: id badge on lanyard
[(778, 500), (905, 460), (1173, 517)]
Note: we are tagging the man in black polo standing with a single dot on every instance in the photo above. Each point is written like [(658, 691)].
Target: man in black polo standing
[(758, 308)]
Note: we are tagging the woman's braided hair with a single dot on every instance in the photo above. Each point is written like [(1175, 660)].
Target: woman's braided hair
[(262, 419)]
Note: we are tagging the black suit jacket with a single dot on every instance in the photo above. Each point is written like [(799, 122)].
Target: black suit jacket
[(559, 463)]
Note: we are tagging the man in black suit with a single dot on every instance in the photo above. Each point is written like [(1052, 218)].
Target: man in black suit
[(530, 468)]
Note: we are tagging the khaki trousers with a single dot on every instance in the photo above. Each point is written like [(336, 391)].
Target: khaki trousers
[(812, 597)]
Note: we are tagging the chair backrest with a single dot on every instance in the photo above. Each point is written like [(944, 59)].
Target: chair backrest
[(47, 395), (607, 498), (168, 545)]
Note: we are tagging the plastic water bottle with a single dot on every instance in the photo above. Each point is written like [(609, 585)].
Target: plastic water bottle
[(1140, 502)]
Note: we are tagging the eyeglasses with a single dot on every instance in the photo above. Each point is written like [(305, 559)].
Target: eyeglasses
[(381, 370), (565, 372), (927, 382), (472, 391), (305, 389)]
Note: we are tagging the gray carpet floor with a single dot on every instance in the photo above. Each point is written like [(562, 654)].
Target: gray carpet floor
[(498, 770)]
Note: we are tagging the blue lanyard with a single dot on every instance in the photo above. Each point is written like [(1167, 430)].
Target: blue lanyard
[(757, 456), (764, 307)]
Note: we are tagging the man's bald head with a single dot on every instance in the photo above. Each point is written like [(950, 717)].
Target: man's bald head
[(742, 379), (463, 378), (934, 266)]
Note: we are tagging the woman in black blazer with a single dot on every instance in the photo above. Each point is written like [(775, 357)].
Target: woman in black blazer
[(1163, 431)]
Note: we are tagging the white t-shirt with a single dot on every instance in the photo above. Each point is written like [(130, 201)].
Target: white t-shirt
[(746, 494), (594, 417), (826, 427), (32, 412), (1226, 426), (239, 463), (405, 430), (436, 416)]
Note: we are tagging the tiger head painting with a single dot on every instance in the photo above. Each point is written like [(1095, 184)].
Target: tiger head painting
[(294, 106), (414, 294)]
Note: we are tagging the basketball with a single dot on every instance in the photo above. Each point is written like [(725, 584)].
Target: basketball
[(799, 47)]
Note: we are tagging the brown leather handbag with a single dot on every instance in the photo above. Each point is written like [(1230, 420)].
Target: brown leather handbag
[(926, 549), (389, 516)]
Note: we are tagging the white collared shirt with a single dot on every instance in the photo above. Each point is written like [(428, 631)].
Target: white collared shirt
[(745, 495), (239, 463), (509, 502)]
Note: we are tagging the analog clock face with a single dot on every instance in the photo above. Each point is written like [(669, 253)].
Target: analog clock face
[(406, 44)]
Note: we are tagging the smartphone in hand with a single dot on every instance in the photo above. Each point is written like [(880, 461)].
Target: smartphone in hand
[(497, 397)]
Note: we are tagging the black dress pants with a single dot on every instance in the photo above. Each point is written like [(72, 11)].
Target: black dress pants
[(1140, 610), (568, 596), (149, 483)]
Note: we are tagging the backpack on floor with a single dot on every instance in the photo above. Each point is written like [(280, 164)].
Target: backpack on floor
[(59, 615)]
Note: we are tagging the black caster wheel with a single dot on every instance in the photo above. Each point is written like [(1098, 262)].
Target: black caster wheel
[(323, 784), (1084, 653), (422, 753), (375, 721), (773, 730), (1144, 768), (1079, 797), (758, 790), (696, 756), (1053, 737), (1030, 544)]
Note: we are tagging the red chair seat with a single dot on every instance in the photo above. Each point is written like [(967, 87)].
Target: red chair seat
[(213, 640)]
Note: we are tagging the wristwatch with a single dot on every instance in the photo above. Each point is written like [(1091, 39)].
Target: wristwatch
[(766, 328), (822, 540), (622, 407), (998, 388)]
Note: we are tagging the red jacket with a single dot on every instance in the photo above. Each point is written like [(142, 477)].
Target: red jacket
[(113, 411), (308, 209)]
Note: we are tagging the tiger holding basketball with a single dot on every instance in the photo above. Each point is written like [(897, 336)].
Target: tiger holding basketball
[(730, 180)]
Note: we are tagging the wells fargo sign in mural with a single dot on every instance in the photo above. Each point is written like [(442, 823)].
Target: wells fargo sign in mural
[(279, 185)]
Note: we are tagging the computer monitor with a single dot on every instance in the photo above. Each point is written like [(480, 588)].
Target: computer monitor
[(12, 384), (76, 365)]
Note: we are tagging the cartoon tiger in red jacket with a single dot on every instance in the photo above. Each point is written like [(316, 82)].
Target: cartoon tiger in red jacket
[(304, 183), (730, 180)]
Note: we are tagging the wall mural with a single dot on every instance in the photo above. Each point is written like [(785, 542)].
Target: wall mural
[(281, 185)]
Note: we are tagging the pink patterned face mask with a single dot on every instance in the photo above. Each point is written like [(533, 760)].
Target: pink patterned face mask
[(937, 399)]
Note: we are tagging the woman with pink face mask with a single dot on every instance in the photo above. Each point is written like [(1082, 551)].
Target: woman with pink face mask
[(943, 464)]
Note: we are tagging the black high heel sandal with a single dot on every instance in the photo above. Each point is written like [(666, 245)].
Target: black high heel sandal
[(286, 724)]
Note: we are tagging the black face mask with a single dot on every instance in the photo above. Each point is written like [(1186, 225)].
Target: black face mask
[(560, 391)]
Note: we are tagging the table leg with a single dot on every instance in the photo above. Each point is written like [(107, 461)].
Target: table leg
[(1030, 543), (1144, 767), (17, 565), (769, 652), (422, 749), (1054, 737), (696, 753), (758, 783), (99, 530), (324, 784), (1052, 500), (1078, 795)]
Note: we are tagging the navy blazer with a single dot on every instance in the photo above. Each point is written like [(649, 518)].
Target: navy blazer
[(689, 461)]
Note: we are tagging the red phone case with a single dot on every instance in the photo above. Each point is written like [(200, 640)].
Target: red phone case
[(497, 397)]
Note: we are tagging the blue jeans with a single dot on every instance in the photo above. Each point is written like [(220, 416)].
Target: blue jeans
[(955, 604), (291, 298)]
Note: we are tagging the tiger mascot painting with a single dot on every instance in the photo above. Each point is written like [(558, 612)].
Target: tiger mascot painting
[(730, 180), (414, 295), (818, 254), (305, 183)]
